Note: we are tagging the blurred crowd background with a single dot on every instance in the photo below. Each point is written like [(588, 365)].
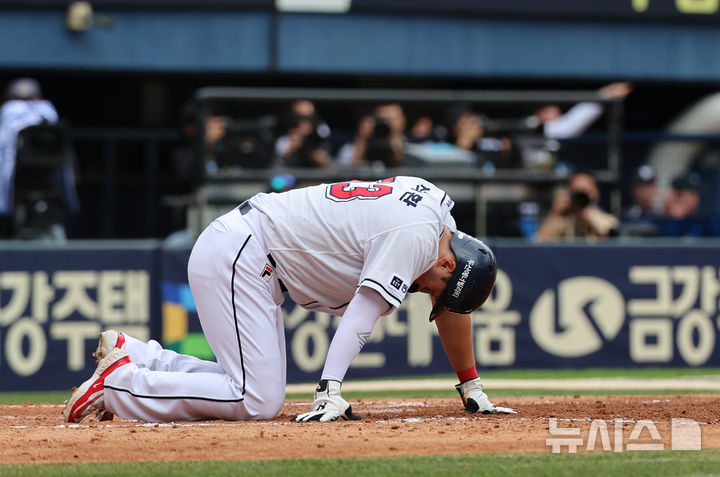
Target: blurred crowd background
[(553, 122)]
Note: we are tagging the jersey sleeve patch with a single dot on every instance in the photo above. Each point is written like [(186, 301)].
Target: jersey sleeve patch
[(393, 290), (395, 259)]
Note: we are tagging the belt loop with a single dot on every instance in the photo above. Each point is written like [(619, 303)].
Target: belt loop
[(270, 258)]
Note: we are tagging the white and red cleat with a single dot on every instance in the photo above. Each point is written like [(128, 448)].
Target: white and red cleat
[(109, 340), (90, 396)]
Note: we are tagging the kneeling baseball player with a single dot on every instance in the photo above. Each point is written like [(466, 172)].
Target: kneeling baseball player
[(351, 248)]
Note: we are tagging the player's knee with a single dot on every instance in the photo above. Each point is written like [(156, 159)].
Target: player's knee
[(270, 407), (265, 405), (265, 413)]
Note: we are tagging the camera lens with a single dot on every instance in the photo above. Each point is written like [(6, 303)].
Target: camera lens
[(579, 200), (382, 128)]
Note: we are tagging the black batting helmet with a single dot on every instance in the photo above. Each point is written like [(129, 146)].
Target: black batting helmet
[(473, 280)]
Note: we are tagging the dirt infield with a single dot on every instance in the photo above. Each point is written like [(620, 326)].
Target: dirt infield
[(36, 433)]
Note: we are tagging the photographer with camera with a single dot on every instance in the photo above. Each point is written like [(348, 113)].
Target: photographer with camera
[(379, 138), (305, 142), (575, 212), (472, 132)]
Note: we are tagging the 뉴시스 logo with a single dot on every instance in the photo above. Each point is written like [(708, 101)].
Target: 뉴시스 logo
[(685, 435)]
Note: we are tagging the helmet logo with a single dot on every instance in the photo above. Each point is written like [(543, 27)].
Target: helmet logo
[(463, 276)]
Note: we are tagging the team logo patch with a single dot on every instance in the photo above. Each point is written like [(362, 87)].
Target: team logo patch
[(404, 289), (267, 272), (396, 282)]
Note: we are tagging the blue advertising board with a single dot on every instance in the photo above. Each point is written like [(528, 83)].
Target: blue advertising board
[(604, 306), (54, 303), (552, 307)]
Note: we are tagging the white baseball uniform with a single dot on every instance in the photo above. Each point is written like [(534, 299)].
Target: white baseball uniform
[(323, 244)]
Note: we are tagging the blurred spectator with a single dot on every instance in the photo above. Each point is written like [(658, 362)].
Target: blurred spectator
[(575, 212), (644, 192), (682, 199), (539, 152), (215, 133), (468, 132), (245, 143), (304, 143), (379, 138), (25, 106), (681, 217), (578, 118), (424, 130), (188, 170), (466, 127), (227, 142)]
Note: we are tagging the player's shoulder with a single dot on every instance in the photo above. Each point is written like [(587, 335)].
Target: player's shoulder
[(411, 179), (424, 187)]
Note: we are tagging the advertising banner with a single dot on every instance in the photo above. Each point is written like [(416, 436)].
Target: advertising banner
[(54, 303), (552, 307), (602, 306)]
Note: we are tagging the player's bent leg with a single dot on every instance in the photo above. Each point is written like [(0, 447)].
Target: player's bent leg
[(266, 381), (265, 392), (240, 315), (156, 358), (152, 355), (156, 396), (240, 311)]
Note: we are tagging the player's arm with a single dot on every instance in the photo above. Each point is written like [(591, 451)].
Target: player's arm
[(357, 323), (455, 331)]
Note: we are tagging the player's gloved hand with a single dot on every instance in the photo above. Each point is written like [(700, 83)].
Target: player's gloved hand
[(328, 404), (475, 399)]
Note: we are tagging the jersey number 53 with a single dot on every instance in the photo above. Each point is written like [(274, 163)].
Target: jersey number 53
[(346, 191)]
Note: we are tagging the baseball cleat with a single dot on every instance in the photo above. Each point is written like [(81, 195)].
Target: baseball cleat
[(109, 340), (90, 396)]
